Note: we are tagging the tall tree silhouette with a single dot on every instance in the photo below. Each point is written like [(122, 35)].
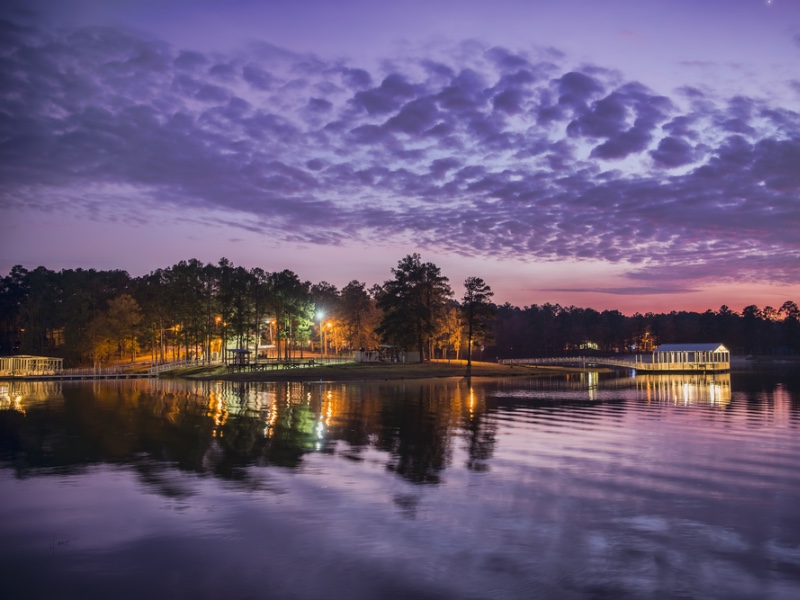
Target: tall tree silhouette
[(412, 302), (478, 310)]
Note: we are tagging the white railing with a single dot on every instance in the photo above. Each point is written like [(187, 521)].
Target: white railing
[(638, 364), (115, 370), (171, 366), (569, 360)]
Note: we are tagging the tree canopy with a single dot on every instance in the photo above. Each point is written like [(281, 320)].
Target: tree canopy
[(193, 309), (412, 303)]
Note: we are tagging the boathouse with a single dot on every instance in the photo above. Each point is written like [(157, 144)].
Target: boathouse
[(690, 357), (25, 365)]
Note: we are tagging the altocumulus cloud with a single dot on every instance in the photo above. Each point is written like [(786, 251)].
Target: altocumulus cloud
[(476, 150)]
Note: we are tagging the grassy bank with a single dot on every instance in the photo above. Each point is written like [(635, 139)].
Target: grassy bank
[(371, 372)]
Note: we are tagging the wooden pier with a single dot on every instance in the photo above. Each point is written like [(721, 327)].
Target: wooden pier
[(67, 376)]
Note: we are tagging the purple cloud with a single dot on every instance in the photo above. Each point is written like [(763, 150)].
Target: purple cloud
[(673, 152), (484, 152), (393, 91), (575, 89)]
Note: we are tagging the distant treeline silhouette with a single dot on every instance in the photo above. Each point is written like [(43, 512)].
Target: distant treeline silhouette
[(192, 309)]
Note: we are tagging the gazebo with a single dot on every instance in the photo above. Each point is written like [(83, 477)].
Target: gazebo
[(240, 356), (25, 365), (691, 357)]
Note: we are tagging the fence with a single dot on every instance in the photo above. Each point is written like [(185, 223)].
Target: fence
[(171, 366)]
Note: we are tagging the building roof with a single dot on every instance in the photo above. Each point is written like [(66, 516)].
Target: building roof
[(712, 347), (32, 356)]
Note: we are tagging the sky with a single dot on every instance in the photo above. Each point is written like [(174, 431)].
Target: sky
[(634, 155)]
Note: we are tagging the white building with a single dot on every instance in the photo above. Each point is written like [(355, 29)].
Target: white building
[(25, 365), (689, 357)]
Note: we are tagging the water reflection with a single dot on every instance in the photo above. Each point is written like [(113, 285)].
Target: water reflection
[(16, 395), (588, 486), (224, 428), (686, 388)]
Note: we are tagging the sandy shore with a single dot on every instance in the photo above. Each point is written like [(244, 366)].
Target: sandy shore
[(373, 372)]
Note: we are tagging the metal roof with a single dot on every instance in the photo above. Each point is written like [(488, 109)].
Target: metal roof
[(714, 347)]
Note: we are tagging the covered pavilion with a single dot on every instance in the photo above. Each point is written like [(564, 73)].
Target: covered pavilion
[(25, 365)]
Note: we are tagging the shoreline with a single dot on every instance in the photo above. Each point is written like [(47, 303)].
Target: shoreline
[(364, 372), (435, 369)]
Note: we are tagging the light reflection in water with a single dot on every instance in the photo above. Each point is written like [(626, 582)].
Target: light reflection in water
[(686, 389), (593, 381), (582, 487), (17, 394)]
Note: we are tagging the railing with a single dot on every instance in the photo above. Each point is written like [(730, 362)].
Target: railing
[(629, 364), (683, 367), (171, 366), (333, 360), (638, 364), (290, 363), (29, 372), (115, 370)]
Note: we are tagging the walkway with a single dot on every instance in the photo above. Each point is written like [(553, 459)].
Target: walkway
[(635, 363)]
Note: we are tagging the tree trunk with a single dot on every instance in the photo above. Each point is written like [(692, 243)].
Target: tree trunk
[(469, 350)]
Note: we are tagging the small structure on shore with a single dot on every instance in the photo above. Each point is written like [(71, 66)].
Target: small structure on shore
[(25, 365), (687, 357), (368, 356), (240, 356), (386, 354)]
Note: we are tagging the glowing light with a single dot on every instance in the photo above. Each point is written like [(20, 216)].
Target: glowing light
[(593, 380)]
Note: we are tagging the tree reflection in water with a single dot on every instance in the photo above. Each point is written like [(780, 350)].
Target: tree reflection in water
[(597, 486), (224, 428)]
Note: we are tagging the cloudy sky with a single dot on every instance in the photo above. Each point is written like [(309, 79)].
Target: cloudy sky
[(639, 155)]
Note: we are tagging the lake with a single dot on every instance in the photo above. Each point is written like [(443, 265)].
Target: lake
[(578, 486)]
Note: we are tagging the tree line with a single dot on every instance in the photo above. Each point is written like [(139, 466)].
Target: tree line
[(197, 310), (192, 309), (553, 330)]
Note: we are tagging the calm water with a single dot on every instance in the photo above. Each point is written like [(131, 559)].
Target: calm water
[(581, 487)]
